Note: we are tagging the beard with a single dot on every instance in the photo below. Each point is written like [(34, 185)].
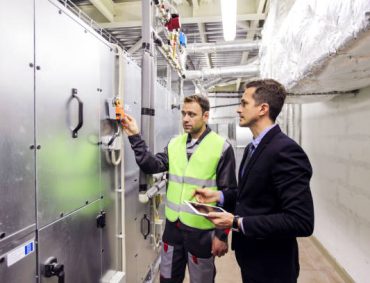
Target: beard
[(192, 130)]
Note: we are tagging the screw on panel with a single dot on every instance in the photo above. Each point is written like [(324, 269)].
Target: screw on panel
[(61, 214), (2, 260), (31, 65), (2, 235), (32, 147), (60, 11), (38, 147), (38, 68), (101, 197), (87, 202)]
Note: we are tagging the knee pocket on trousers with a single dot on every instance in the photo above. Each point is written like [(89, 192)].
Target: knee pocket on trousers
[(165, 267), (201, 270)]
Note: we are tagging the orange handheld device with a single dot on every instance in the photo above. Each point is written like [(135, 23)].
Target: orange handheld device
[(120, 113)]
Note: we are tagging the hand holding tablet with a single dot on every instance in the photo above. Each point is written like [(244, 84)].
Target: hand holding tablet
[(203, 209)]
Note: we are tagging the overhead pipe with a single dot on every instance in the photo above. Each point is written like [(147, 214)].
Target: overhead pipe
[(233, 71), (222, 47), (291, 98), (211, 83)]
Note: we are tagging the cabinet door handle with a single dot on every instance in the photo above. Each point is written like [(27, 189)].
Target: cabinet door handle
[(145, 230), (80, 113)]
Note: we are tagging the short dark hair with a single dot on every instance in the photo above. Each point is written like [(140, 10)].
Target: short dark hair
[(200, 99), (271, 92)]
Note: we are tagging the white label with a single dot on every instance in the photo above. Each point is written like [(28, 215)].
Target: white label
[(20, 252)]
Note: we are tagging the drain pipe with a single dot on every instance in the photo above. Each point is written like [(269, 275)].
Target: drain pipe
[(222, 47)]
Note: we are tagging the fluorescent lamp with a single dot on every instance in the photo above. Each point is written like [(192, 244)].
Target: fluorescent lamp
[(228, 11)]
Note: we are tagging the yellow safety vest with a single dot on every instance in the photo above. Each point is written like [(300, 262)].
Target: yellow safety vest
[(187, 175)]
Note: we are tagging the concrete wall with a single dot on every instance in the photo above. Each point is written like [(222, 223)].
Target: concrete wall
[(336, 137)]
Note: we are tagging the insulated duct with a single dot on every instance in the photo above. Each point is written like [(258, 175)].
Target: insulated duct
[(233, 71), (296, 52), (222, 47)]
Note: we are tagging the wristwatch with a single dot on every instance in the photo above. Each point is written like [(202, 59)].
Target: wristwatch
[(223, 236), (235, 226)]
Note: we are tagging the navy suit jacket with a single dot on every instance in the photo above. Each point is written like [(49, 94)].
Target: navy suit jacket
[(275, 201)]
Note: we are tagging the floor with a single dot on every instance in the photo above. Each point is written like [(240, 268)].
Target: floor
[(315, 267)]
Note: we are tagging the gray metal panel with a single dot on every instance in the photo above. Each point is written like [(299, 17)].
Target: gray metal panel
[(167, 120), (75, 242), (110, 175), (112, 248), (140, 254), (68, 169), (111, 244), (22, 271), (17, 173), (132, 93)]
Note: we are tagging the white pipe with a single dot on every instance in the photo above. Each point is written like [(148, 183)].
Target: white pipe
[(152, 191), (222, 47), (120, 189), (211, 83), (234, 71)]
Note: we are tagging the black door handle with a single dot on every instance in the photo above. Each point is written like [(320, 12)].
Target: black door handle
[(80, 113), (145, 230)]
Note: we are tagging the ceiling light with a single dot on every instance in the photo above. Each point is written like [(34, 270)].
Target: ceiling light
[(228, 11)]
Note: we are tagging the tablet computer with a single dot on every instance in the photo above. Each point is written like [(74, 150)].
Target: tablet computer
[(202, 208)]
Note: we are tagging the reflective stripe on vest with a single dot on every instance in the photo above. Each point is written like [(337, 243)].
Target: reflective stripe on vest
[(179, 207), (194, 181), (187, 175)]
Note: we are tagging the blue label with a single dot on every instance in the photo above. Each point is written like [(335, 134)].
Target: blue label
[(28, 249)]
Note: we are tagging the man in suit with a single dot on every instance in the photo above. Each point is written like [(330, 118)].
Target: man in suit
[(273, 204)]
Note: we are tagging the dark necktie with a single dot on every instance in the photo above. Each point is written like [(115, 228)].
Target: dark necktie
[(247, 159)]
